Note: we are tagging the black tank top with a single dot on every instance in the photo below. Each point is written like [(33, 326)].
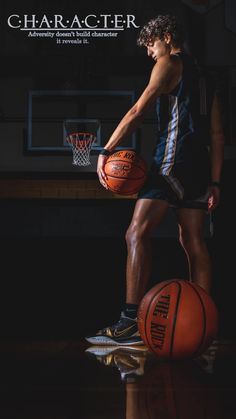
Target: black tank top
[(183, 118)]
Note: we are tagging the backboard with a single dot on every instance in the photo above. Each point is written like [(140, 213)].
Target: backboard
[(53, 114)]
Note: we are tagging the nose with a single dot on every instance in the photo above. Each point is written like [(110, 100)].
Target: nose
[(149, 52)]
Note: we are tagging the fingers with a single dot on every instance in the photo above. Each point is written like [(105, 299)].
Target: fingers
[(100, 170), (214, 199), (211, 207), (102, 178), (212, 204)]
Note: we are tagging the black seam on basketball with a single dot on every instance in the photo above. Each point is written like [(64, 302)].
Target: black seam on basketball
[(125, 161), (204, 319), (175, 318), (147, 311)]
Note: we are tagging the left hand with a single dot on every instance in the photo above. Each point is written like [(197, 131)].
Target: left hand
[(214, 198)]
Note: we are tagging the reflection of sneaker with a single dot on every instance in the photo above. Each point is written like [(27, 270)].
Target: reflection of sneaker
[(129, 361), (207, 359), (124, 332)]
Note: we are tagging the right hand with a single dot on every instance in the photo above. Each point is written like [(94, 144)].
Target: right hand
[(100, 170)]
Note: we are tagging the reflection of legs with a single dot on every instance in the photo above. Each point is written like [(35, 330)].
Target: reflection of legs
[(132, 402), (147, 215), (192, 240)]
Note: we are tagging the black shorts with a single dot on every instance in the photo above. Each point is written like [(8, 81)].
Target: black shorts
[(180, 189)]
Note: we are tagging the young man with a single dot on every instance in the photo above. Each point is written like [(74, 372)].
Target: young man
[(184, 175)]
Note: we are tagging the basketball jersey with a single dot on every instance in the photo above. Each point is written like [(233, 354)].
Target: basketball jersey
[(183, 121)]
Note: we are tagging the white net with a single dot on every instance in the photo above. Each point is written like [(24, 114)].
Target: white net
[(81, 144)]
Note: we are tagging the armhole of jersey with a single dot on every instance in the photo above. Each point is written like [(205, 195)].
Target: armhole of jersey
[(181, 75)]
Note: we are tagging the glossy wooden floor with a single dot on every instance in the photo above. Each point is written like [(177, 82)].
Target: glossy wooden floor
[(68, 379)]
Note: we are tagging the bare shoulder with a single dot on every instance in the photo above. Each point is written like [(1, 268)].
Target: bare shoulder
[(169, 64), (168, 68), (169, 61)]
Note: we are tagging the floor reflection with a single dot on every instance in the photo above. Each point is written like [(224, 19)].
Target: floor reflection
[(203, 388), (68, 379), (129, 361)]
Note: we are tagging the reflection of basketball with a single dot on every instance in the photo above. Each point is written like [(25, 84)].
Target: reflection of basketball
[(172, 390), (177, 319), (126, 172)]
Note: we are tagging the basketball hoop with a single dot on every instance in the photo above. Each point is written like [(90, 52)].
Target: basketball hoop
[(81, 143)]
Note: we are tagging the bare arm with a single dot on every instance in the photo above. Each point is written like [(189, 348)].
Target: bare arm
[(163, 79), (217, 141), (216, 152)]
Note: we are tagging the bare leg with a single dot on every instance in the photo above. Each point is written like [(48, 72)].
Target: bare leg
[(191, 236), (147, 215)]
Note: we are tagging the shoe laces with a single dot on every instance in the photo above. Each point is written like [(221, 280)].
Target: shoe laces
[(122, 317)]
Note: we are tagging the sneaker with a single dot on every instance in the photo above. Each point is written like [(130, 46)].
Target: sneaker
[(124, 332)]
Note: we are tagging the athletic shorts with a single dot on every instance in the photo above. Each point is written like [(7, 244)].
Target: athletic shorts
[(180, 189)]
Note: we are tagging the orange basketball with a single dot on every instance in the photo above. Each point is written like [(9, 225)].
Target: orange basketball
[(177, 319), (126, 172)]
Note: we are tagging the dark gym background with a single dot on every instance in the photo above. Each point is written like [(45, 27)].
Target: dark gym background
[(63, 250)]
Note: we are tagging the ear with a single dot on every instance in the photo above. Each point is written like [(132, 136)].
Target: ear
[(167, 38)]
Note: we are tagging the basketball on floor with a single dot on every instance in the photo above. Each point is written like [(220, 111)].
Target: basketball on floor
[(177, 319)]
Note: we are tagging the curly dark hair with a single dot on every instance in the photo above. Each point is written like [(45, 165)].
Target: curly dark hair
[(158, 27)]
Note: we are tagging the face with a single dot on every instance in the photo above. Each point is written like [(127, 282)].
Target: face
[(158, 48)]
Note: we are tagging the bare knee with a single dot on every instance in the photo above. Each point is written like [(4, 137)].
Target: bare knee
[(135, 234), (192, 242)]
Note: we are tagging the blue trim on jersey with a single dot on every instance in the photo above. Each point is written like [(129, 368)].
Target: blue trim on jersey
[(171, 138)]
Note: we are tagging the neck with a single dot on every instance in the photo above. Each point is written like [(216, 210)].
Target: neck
[(175, 50)]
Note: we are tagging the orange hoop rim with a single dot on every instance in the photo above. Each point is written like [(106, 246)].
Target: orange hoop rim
[(71, 137)]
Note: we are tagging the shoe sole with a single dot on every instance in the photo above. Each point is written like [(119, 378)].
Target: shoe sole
[(102, 350), (104, 340)]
